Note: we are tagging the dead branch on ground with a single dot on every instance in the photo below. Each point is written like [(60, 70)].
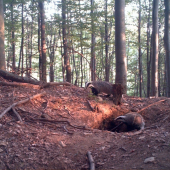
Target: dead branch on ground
[(15, 84), (61, 121), (91, 161), (56, 84), (91, 107), (17, 114), (20, 102), (150, 105)]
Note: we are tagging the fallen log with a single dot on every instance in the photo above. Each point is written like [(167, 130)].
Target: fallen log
[(13, 77), (2, 83)]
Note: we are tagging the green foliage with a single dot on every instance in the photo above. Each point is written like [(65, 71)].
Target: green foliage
[(80, 24)]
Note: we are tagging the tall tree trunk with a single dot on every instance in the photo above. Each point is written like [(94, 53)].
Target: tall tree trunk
[(39, 46), (30, 55), (107, 65), (51, 55), (22, 41), (139, 51), (148, 54), (66, 57), (27, 49), (13, 41), (43, 45), (2, 49), (167, 43), (81, 46), (154, 70), (93, 56), (120, 44)]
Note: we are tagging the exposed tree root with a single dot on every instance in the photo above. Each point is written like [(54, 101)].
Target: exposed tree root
[(151, 105), (20, 102)]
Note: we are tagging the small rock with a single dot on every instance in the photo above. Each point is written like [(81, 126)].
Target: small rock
[(142, 137), (102, 148), (62, 144), (1, 150), (3, 143), (149, 160), (86, 134), (100, 99)]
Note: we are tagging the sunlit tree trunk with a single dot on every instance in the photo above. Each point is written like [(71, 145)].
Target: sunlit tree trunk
[(66, 57), (81, 44), (22, 43), (93, 56), (2, 50), (13, 40), (139, 51), (154, 69), (39, 46), (107, 65), (148, 53), (30, 55), (167, 43), (43, 45), (120, 44), (51, 54)]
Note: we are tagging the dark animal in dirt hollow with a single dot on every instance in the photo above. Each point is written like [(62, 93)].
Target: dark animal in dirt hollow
[(133, 121), (100, 87)]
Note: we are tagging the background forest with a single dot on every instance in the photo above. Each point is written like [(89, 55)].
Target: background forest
[(36, 33)]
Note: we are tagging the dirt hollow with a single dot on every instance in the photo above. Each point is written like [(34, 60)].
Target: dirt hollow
[(72, 129)]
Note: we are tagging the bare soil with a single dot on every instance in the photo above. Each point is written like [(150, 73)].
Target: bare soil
[(59, 128)]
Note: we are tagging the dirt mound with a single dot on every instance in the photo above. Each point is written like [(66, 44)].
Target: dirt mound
[(59, 128)]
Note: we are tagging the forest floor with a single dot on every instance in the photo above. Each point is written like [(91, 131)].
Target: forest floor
[(59, 128)]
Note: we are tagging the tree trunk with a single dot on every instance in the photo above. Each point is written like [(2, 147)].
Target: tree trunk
[(2, 49), (30, 57), (66, 57), (81, 46), (154, 70), (39, 46), (51, 56), (148, 56), (93, 56), (107, 65), (43, 45), (15, 77), (139, 51), (120, 44), (13, 41), (167, 44), (22, 43)]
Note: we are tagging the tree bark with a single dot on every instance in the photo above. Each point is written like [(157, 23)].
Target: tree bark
[(66, 57), (120, 44), (167, 44), (139, 51), (107, 65), (13, 41), (148, 54), (2, 48), (93, 56), (14, 77), (154, 70), (39, 46), (43, 45)]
